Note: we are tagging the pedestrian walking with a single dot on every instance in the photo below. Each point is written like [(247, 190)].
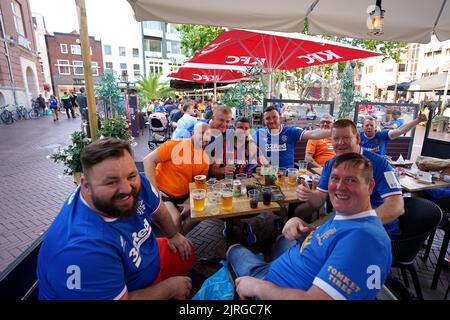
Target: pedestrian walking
[(41, 103), (67, 104), (53, 104), (73, 100)]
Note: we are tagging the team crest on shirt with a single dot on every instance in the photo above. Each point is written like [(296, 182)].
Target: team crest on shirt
[(140, 207), (284, 139)]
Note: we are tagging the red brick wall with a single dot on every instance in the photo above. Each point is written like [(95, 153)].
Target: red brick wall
[(54, 54), (15, 50)]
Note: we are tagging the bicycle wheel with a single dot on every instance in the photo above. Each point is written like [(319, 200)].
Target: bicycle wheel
[(6, 117), (26, 114), (33, 114), (23, 112)]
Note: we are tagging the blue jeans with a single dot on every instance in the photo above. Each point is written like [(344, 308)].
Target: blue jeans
[(246, 263)]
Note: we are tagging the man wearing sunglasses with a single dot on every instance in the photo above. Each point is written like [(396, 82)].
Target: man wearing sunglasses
[(320, 151)]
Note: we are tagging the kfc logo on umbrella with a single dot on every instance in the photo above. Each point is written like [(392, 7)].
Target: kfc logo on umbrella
[(328, 55), (246, 61)]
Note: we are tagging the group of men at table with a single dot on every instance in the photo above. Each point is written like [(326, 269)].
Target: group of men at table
[(102, 246)]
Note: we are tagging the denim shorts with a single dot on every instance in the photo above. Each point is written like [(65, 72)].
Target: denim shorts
[(247, 263)]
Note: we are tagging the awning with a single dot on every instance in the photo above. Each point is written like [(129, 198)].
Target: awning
[(405, 20), (436, 83)]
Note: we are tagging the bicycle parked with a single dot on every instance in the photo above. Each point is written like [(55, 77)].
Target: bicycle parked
[(34, 113), (6, 115)]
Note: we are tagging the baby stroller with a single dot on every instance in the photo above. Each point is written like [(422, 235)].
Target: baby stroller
[(158, 129)]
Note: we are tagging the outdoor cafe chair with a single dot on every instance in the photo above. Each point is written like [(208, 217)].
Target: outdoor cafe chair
[(420, 219)]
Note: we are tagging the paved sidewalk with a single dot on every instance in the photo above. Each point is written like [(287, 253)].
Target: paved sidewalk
[(32, 187)]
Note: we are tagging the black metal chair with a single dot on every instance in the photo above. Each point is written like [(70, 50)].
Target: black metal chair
[(420, 219), (445, 226)]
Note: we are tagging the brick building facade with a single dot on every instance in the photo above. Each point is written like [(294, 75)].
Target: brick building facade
[(20, 75), (66, 61)]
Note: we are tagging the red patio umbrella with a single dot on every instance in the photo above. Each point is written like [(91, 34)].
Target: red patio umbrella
[(275, 50), (209, 73)]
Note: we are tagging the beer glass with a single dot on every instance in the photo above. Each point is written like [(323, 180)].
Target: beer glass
[(199, 196), (200, 181), (227, 199), (302, 168), (254, 198), (292, 176), (281, 176)]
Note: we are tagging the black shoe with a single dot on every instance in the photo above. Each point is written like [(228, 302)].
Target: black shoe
[(54, 120)]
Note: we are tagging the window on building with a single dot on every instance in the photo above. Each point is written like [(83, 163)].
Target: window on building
[(152, 25), (137, 70), (402, 67), (369, 69), (75, 49), (63, 67), (447, 51), (63, 47), (122, 51), (174, 67), (437, 53), (172, 28), (78, 68), (109, 65), (153, 45), (136, 52), (107, 49), (428, 54), (173, 47), (123, 66), (94, 68), (17, 16), (155, 67)]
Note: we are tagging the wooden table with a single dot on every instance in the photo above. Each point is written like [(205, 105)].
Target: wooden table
[(317, 170), (241, 207), (411, 184), (406, 163)]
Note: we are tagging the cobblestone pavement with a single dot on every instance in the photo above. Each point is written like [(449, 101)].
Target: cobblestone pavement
[(32, 187)]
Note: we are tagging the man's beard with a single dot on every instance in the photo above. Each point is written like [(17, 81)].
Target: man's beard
[(108, 208)]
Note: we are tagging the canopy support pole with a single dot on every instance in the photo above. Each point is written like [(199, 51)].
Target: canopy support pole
[(85, 49), (215, 91), (444, 96)]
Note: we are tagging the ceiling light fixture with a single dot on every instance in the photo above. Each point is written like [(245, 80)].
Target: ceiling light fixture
[(375, 22)]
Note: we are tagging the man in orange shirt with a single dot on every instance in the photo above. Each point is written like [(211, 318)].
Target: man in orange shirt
[(320, 151), (173, 165)]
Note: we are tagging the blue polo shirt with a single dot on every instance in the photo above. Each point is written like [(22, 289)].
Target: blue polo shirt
[(278, 147), (377, 143), (396, 122), (85, 256), (348, 257), (185, 127), (386, 184)]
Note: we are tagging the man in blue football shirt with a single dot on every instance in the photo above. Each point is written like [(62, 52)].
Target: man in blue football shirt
[(376, 141), (277, 142), (347, 258), (102, 246), (386, 198), (396, 121)]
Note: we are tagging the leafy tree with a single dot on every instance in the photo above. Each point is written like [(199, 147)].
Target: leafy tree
[(195, 37), (152, 88), (347, 92), (109, 91)]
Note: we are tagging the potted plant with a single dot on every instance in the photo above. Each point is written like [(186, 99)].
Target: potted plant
[(115, 127), (70, 155), (439, 123)]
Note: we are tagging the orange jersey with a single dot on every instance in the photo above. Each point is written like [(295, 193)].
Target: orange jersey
[(322, 150), (180, 163)]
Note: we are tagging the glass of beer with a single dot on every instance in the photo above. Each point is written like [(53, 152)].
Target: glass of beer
[(302, 168), (292, 176), (281, 176), (200, 181), (315, 181), (199, 196), (227, 199), (210, 184), (254, 198)]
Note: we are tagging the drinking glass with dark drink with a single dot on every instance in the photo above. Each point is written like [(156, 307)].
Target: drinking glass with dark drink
[(267, 195), (254, 197)]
